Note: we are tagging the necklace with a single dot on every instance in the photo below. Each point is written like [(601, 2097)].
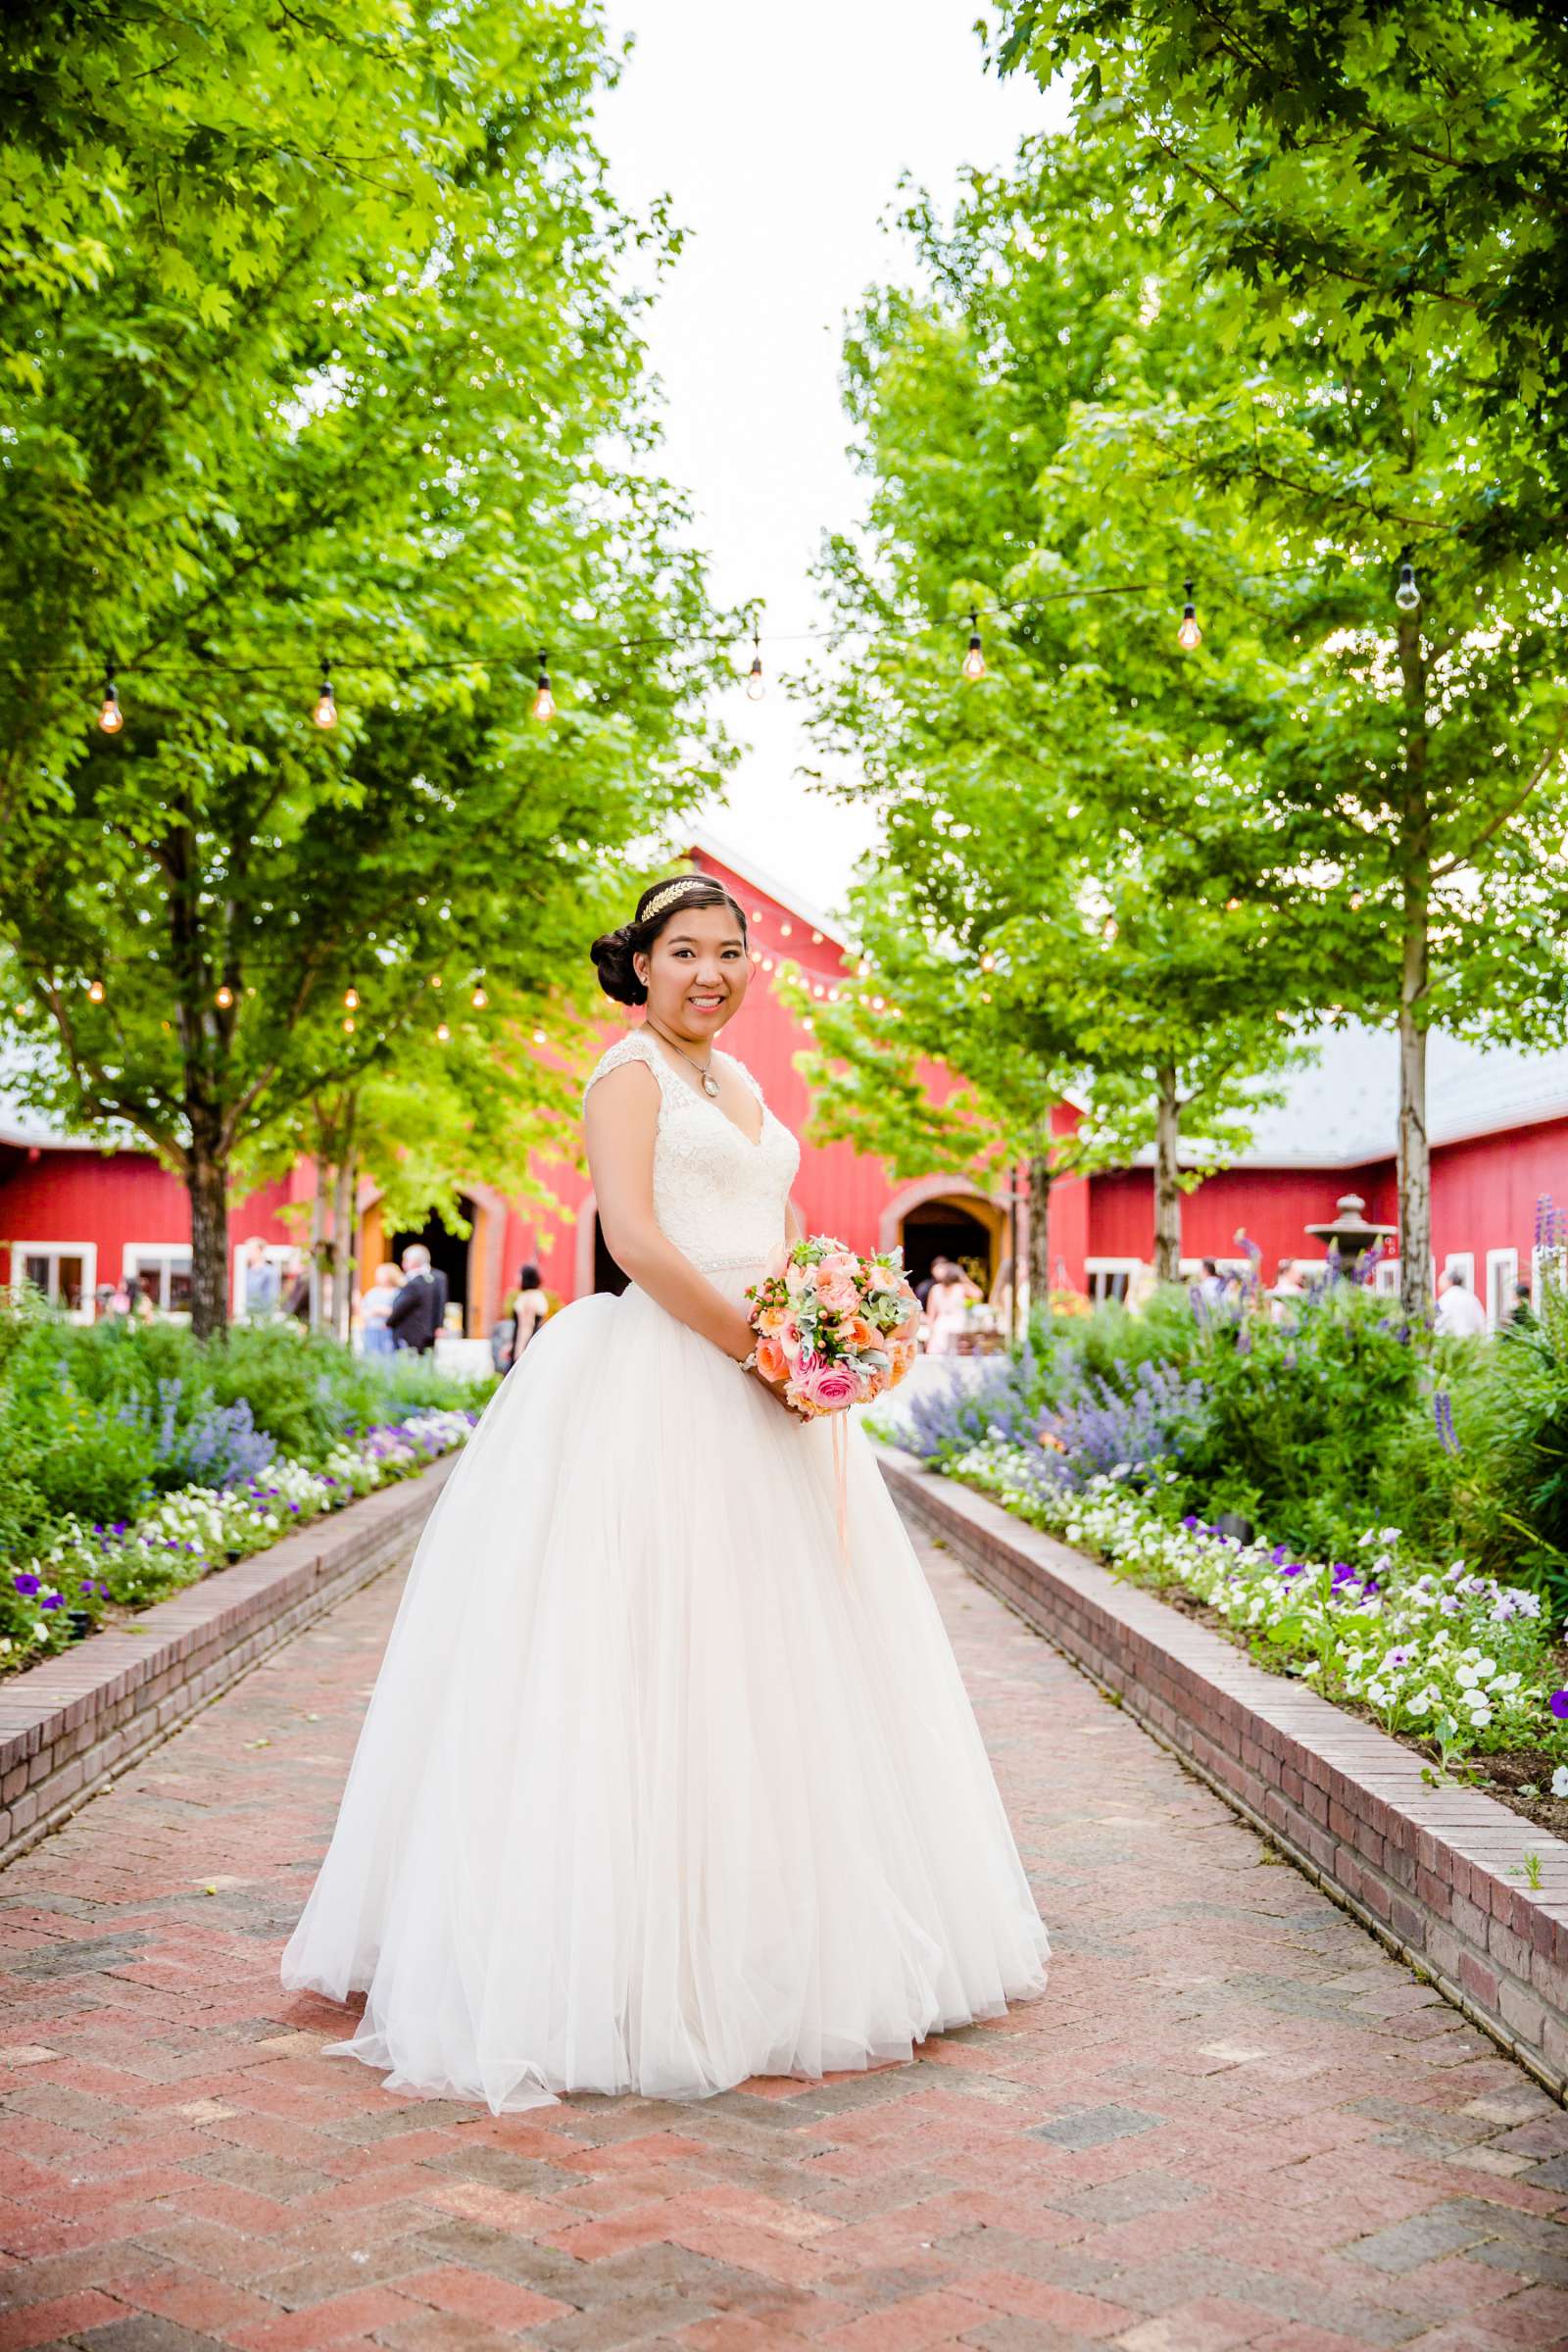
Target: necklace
[(704, 1069)]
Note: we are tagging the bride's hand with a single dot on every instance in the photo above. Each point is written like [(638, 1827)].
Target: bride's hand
[(771, 1390)]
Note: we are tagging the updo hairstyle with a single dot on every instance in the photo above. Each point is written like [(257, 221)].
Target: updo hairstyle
[(658, 904)]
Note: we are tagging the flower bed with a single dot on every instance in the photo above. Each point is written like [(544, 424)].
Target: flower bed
[(1403, 1490), (1458, 1664), (93, 1572)]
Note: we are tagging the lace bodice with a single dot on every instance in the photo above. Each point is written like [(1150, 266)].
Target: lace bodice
[(717, 1195)]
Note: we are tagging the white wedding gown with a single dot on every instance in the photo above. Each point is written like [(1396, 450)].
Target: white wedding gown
[(658, 1790)]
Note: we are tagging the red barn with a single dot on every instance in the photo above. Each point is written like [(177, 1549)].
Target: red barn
[(73, 1215)]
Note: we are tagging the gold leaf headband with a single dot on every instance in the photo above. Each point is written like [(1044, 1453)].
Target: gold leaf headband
[(668, 895)]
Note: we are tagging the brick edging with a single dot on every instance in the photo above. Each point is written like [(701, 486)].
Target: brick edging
[(72, 1723), (1427, 1869)]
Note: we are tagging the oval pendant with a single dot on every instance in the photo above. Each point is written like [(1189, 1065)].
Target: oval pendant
[(711, 1087)]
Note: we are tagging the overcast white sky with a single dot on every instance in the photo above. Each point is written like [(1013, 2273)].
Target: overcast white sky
[(780, 135)]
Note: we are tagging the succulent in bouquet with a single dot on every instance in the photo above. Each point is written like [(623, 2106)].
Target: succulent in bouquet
[(833, 1328)]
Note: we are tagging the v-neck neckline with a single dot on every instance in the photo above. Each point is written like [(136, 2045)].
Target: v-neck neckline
[(752, 1143)]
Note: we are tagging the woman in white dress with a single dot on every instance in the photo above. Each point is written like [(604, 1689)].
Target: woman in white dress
[(660, 1788)]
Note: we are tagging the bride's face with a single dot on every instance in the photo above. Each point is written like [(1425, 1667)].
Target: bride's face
[(696, 972)]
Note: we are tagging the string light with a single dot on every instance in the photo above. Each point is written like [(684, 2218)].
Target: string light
[(351, 1000), (324, 714), (756, 686), (988, 962), (1408, 596), (95, 992), (225, 997), (1189, 636), (478, 999), (111, 718), (787, 930), (348, 1025), (442, 1032), (435, 979), (538, 1037), (544, 702), (974, 661)]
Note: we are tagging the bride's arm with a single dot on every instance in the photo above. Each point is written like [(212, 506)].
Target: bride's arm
[(620, 1120)]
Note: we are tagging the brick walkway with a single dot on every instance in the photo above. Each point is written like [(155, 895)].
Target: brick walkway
[(1231, 2121)]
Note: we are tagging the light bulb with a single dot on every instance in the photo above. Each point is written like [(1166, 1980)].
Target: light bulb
[(756, 687), (988, 963), (974, 661), (435, 979), (324, 714), (111, 718), (539, 1037), (478, 999), (351, 1000), (767, 963), (95, 992), (225, 997), (819, 990), (816, 938), (1408, 596), (544, 702), (786, 930), (348, 1025), (1189, 636), (443, 1033)]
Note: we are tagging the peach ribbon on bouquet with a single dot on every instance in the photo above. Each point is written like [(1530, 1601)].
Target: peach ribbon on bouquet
[(841, 1482)]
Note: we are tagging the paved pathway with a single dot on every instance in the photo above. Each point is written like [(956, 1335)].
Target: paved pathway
[(1231, 2121)]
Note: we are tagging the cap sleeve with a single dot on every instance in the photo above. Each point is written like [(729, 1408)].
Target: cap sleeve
[(633, 1046)]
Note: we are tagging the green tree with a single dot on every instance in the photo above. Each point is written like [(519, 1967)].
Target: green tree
[(1375, 793), (1396, 167), (324, 349), (1072, 822)]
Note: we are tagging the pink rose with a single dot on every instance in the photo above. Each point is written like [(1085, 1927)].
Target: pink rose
[(788, 1337), (829, 1387), (837, 1262), (839, 1296)]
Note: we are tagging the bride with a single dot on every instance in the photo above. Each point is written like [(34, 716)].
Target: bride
[(661, 1787)]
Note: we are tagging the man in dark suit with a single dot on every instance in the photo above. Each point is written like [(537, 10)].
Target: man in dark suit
[(419, 1310)]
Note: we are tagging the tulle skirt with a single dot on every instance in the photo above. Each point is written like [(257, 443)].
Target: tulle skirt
[(659, 1787)]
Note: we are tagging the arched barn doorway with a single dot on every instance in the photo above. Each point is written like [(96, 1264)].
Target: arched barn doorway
[(958, 1226)]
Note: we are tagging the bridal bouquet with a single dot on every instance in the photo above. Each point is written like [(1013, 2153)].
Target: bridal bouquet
[(834, 1329)]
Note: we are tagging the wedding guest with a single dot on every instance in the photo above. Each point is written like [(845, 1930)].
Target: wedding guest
[(261, 1283), (296, 1286), (529, 1308), (375, 1310), (1460, 1313), (947, 1306), (419, 1310)]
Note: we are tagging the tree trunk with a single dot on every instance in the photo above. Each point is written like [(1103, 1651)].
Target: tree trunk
[(1039, 1233), (1014, 1270), (324, 1180), (1167, 1192), (343, 1239), (207, 1182), (1415, 959)]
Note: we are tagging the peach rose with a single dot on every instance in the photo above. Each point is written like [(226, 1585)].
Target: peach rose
[(771, 1360), (839, 1263), (840, 1296)]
